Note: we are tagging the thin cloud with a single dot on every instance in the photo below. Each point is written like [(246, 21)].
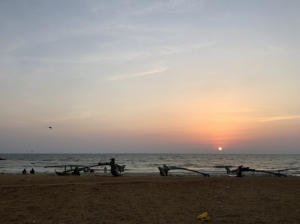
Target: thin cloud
[(286, 117), (171, 50), (130, 76), (242, 110), (70, 60), (262, 119)]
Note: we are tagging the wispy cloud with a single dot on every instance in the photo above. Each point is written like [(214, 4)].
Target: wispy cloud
[(69, 60), (146, 7), (241, 110), (261, 119), (182, 48), (278, 118), (112, 52), (129, 76)]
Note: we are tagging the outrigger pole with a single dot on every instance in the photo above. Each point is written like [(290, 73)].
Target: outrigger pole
[(164, 171)]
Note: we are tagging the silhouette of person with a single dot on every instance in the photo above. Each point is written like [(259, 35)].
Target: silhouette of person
[(239, 173), (105, 169), (32, 171), (76, 171), (24, 171)]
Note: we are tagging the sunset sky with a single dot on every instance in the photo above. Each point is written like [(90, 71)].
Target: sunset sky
[(150, 76)]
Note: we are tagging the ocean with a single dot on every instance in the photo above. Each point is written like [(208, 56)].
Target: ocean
[(148, 163)]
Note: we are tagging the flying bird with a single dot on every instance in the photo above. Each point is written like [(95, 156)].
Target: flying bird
[(50, 127), (33, 163)]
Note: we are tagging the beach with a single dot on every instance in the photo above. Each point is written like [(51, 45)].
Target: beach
[(147, 198)]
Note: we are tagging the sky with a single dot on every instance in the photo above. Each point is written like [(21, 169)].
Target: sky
[(150, 76)]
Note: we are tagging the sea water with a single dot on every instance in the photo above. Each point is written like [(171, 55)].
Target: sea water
[(148, 163)]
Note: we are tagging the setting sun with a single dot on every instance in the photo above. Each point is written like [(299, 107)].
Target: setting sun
[(220, 148)]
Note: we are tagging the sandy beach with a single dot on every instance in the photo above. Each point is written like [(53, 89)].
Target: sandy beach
[(147, 198)]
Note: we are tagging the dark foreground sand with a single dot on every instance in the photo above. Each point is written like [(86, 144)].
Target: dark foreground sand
[(102, 198)]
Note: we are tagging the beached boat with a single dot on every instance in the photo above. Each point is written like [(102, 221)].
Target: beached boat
[(246, 171), (116, 170), (73, 170), (64, 173)]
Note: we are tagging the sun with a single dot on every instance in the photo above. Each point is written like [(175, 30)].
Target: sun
[(220, 148)]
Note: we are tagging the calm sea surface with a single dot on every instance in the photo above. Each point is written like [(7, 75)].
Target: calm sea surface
[(148, 163)]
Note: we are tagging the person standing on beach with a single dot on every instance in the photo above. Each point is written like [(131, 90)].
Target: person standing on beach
[(76, 171), (239, 173), (24, 171), (105, 169), (32, 171)]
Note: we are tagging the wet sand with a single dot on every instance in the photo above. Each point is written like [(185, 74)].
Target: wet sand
[(144, 198)]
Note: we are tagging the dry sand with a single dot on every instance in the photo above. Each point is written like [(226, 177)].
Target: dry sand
[(133, 198)]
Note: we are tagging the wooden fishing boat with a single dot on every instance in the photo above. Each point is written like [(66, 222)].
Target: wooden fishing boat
[(116, 170), (63, 173), (72, 170), (240, 171)]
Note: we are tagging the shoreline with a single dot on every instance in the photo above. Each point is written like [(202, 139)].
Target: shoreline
[(144, 198)]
